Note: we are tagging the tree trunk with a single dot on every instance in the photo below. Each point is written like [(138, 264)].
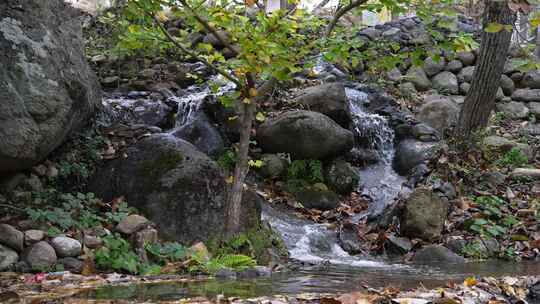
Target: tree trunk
[(490, 64), (537, 51)]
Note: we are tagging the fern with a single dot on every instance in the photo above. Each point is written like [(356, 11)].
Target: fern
[(232, 261)]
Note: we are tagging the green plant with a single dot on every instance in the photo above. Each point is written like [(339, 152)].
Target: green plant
[(475, 250), (232, 261), (117, 254), (121, 212), (167, 251), (306, 170), (227, 160), (513, 158), (494, 222)]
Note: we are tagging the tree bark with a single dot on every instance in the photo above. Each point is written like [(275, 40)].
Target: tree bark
[(490, 64), (537, 50)]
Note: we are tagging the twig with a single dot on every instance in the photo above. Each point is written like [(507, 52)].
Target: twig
[(339, 13)]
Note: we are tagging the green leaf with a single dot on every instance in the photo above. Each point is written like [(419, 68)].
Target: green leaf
[(493, 27)]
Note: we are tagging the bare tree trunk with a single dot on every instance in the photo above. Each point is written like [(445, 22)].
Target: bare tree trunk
[(537, 50), (493, 51)]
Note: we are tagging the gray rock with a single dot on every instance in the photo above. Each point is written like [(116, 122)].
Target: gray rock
[(144, 111), (111, 81), (215, 42), (304, 134), (407, 88), (394, 75), (439, 114), (534, 108), (418, 77), (11, 237), (425, 133), (132, 224), (445, 82), (513, 110), (391, 32), (317, 199), (8, 258), (437, 254), (46, 87), (432, 67), (225, 273), (348, 239), (397, 245), (424, 215), (454, 66), (263, 271), (66, 247), (71, 264), (526, 95), (33, 236), (329, 99), (464, 88), (341, 176), (458, 99), (370, 32), (507, 85), (456, 244), (410, 153), (500, 95), (531, 79), (516, 77), (467, 58), (202, 134), (92, 242), (40, 256), (498, 143), (161, 173), (273, 166), (466, 75), (493, 179)]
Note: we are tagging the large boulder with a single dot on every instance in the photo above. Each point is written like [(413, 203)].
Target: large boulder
[(526, 95), (341, 176), (532, 79), (433, 67), (329, 99), (466, 75), (304, 134), (40, 256), (46, 87), (507, 85), (202, 134), (424, 215), (513, 110), (439, 113), (446, 82), (467, 58), (410, 153), (8, 257), (175, 186), (11, 237)]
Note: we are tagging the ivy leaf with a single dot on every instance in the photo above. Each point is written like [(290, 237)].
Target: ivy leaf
[(493, 27)]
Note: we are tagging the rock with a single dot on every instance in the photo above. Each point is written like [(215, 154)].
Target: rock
[(71, 264), (263, 271), (317, 199), (407, 88), (201, 251), (304, 134), (47, 88), (8, 258), (437, 254), (526, 95), (144, 111), (534, 108), (467, 58), (40, 256), (142, 238), (202, 134), (394, 75), (424, 215), (66, 247), (498, 144), (456, 244), (341, 176), (391, 32), (531, 79), (507, 85), (418, 77), (397, 245), (248, 273), (161, 173), (439, 114), (432, 67), (226, 273), (425, 133), (445, 82), (111, 81), (370, 32), (33, 236), (215, 42), (410, 153), (273, 166), (466, 75), (454, 66), (513, 110), (329, 99), (92, 242), (527, 172), (132, 224), (500, 95), (464, 88), (348, 239), (516, 77), (11, 237), (493, 179)]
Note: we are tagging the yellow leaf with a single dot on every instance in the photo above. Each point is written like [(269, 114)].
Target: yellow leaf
[(260, 117), (229, 180), (470, 281), (253, 92), (246, 101)]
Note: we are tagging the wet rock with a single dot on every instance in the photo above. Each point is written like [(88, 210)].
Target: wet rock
[(456, 244), (466, 75), (467, 58), (507, 85), (144, 111), (513, 110), (317, 199), (273, 166), (531, 79), (66, 247), (348, 239), (40, 256), (329, 99), (226, 273), (304, 134), (71, 264), (33, 236), (92, 242), (47, 88), (263, 271), (418, 77), (161, 173), (534, 108), (202, 134), (132, 224), (425, 133), (410, 153), (249, 273), (440, 114), (437, 254), (424, 215), (445, 82), (464, 88), (454, 66), (341, 176), (432, 67), (526, 95), (11, 237), (8, 257), (397, 245)]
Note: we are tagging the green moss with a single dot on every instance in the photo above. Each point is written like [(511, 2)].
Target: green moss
[(154, 168)]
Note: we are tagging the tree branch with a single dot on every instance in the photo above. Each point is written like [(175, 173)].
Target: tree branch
[(339, 13)]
